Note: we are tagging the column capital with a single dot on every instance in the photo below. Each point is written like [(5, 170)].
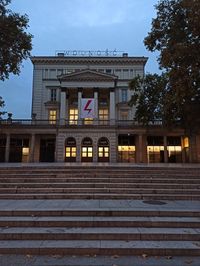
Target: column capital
[(63, 89), (96, 89), (112, 89), (80, 89)]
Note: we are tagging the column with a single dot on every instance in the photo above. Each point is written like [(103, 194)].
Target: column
[(112, 106), (79, 105), (183, 152), (63, 106), (140, 142), (32, 149), (96, 106), (7, 148), (165, 150)]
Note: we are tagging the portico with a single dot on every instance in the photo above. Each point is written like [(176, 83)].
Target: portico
[(87, 84)]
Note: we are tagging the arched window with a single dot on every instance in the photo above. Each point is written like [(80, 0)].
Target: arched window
[(87, 150), (70, 150), (103, 150)]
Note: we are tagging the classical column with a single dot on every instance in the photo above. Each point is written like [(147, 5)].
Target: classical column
[(32, 148), (7, 148), (63, 106), (96, 106), (140, 142), (112, 106), (165, 150), (79, 105)]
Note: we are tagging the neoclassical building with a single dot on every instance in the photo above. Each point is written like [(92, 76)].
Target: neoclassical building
[(80, 113)]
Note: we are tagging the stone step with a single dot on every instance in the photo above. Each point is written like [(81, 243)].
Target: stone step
[(100, 247), (105, 196), (98, 185), (100, 180), (99, 233), (93, 221), (94, 190), (105, 212), (96, 175)]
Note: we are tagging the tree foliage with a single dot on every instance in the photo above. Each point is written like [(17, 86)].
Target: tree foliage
[(175, 33), (15, 42), (153, 99), (1, 106)]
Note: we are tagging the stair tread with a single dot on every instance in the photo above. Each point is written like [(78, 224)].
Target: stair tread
[(98, 244), (98, 230), (100, 218)]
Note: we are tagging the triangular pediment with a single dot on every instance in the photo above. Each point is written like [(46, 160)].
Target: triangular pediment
[(87, 75)]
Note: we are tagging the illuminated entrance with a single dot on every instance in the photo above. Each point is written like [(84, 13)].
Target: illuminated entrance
[(70, 150), (103, 150), (126, 148), (174, 149), (19, 150), (155, 149), (87, 150)]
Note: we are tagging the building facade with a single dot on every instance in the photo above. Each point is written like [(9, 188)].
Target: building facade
[(66, 91)]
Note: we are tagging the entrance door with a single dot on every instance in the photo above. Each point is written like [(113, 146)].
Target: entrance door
[(87, 150), (2, 150), (47, 150), (103, 150)]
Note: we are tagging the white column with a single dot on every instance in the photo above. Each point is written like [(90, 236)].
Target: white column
[(96, 106), (7, 148), (112, 106), (62, 107), (79, 105)]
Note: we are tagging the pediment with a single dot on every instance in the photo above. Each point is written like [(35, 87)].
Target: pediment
[(87, 75)]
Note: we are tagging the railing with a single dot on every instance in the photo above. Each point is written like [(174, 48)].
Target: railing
[(74, 123)]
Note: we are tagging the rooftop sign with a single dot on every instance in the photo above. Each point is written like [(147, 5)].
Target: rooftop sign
[(95, 53)]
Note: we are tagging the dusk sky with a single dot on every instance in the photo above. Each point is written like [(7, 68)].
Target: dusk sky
[(78, 25)]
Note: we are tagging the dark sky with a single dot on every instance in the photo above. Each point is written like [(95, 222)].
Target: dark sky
[(82, 25)]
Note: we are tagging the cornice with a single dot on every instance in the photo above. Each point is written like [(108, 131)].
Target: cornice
[(88, 60)]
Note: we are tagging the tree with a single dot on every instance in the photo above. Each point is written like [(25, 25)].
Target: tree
[(175, 33), (15, 42), (1, 105), (153, 100)]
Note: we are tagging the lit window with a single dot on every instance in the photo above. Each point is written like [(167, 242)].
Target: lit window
[(88, 121), (52, 116), (73, 116), (103, 114), (25, 151), (124, 115)]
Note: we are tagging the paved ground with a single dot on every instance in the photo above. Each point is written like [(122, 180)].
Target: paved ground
[(27, 260), (97, 204)]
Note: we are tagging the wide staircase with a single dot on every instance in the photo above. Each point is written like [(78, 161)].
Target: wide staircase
[(100, 183), (100, 211)]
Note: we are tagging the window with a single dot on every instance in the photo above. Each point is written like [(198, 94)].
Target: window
[(53, 95), (87, 152), (88, 121), (124, 95), (73, 116), (70, 152), (124, 115), (52, 117), (103, 114), (108, 71)]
